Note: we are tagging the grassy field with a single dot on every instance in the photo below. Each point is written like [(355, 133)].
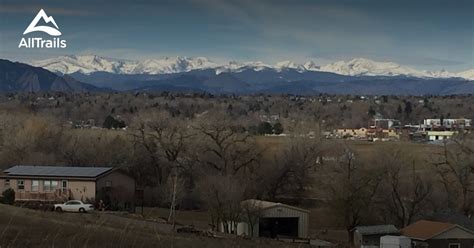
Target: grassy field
[(20, 227)]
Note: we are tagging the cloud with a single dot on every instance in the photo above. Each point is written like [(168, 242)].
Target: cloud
[(33, 8)]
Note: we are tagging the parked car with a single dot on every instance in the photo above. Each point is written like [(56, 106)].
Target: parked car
[(74, 206)]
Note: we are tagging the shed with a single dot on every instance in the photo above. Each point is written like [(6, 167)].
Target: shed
[(369, 236), (272, 220)]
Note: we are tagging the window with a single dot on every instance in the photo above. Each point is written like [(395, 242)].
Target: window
[(454, 245), (20, 184), (7, 183), (34, 186), (49, 185), (54, 185), (108, 184)]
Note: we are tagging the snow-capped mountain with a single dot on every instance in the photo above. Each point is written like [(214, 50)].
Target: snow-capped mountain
[(234, 66), (469, 74), (92, 63), (87, 64), (84, 64), (168, 65), (366, 67)]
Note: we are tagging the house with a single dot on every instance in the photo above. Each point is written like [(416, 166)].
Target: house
[(270, 219), (382, 134), (383, 123), (431, 234), (439, 135), (60, 183), (357, 133), (450, 124), (369, 236)]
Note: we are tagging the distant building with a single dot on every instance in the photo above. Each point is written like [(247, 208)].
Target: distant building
[(369, 236), (439, 135), (382, 134), (450, 124), (60, 183), (356, 133), (431, 234), (384, 123)]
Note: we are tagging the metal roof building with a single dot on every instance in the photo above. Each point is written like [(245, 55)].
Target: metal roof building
[(369, 236), (272, 219)]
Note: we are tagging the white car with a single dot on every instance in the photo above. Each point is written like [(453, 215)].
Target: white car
[(74, 206)]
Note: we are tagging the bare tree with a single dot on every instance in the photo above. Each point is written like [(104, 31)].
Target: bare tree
[(409, 192), (224, 148), (353, 194), (290, 172), (223, 195), (252, 211), (455, 167), (165, 142)]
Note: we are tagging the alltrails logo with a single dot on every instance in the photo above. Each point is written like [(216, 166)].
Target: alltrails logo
[(38, 42)]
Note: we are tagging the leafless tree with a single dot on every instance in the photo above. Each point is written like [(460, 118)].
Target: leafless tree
[(291, 169), (353, 194), (222, 195), (455, 167), (251, 211), (224, 148), (409, 192), (165, 141)]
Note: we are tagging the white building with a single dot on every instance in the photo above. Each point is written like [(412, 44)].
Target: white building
[(460, 123), (395, 242), (439, 135)]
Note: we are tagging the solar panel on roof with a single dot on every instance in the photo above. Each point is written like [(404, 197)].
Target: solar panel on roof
[(56, 171)]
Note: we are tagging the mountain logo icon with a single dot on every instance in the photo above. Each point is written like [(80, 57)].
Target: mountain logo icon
[(47, 29)]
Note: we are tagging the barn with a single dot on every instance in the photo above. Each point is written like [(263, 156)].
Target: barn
[(272, 220)]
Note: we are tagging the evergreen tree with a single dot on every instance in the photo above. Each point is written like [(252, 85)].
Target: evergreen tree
[(278, 128), (264, 128)]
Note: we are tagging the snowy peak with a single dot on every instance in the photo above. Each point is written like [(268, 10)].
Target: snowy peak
[(289, 65), (366, 67), (469, 74), (234, 66), (84, 64), (168, 65), (91, 63)]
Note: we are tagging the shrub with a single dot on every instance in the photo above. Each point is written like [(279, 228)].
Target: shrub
[(8, 196), (264, 128), (277, 128), (110, 122)]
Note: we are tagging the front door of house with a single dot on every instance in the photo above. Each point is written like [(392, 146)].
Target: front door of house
[(64, 185)]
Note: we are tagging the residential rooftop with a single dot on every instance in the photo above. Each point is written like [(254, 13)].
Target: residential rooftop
[(377, 229), (56, 171), (424, 229)]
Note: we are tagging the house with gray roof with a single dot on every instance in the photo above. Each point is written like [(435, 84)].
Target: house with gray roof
[(61, 183), (369, 236)]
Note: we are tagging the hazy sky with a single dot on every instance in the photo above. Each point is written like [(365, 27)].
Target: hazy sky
[(425, 34)]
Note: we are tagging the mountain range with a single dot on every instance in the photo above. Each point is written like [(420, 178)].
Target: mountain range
[(181, 74), (87, 64)]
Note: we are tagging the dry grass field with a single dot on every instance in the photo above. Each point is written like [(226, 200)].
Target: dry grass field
[(20, 227)]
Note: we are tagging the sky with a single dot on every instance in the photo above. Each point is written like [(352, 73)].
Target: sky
[(424, 34)]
